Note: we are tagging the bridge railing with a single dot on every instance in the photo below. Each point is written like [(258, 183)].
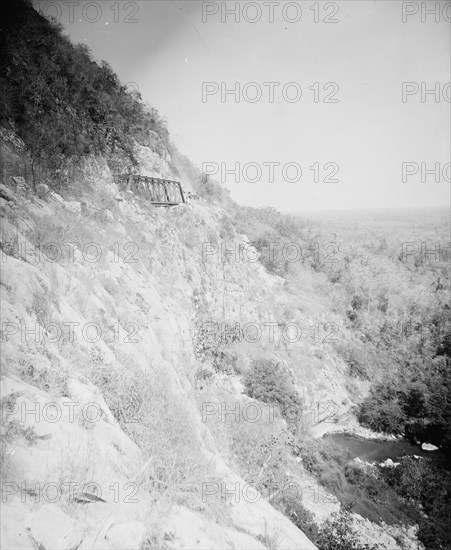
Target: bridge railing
[(159, 191)]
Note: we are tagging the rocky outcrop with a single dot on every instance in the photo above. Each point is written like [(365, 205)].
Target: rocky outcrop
[(93, 340)]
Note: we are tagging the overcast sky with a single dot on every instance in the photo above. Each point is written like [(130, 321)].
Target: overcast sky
[(353, 119)]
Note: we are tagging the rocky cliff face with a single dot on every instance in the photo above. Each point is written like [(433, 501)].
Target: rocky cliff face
[(105, 446), (122, 398)]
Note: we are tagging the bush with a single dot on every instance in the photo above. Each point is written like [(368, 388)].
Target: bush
[(381, 411), (271, 383), (302, 518), (429, 489), (337, 533), (416, 404), (214, 349), (271, 255)]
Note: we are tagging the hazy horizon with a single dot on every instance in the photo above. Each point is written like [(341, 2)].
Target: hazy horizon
[(400, 209)]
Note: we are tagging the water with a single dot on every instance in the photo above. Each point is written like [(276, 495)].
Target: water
[(373, 450)]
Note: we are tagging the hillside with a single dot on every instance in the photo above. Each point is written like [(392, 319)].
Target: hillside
[(167, 373)]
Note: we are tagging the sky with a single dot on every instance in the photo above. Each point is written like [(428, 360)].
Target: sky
[(330, 129)]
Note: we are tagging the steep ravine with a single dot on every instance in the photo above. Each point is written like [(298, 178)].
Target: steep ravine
[(102, 298)]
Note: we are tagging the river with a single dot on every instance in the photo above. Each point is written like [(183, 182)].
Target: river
[(375, 450)]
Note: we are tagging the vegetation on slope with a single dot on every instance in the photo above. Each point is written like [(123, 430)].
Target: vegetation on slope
[(62, 103), (395, 311), (395, 336), (271, 383), (428, 488)]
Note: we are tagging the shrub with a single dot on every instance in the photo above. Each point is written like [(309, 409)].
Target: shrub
[(43, 302), (381, 411), (202, 377), (12, 428), (302, 518), (338, 533), (270, 255), (429, 488), (43, 372), (271, 383), (213, 349)]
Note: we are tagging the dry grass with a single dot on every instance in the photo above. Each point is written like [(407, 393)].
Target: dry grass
[(156, 415), (41, 369), (76, 472), (271, 536)]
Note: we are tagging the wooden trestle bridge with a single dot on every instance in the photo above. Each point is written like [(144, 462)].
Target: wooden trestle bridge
[(160, 192)]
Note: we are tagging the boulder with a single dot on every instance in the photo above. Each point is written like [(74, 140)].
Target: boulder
[(429, 447)]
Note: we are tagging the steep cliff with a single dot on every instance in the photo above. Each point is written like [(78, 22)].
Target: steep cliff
[(101, 300)]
